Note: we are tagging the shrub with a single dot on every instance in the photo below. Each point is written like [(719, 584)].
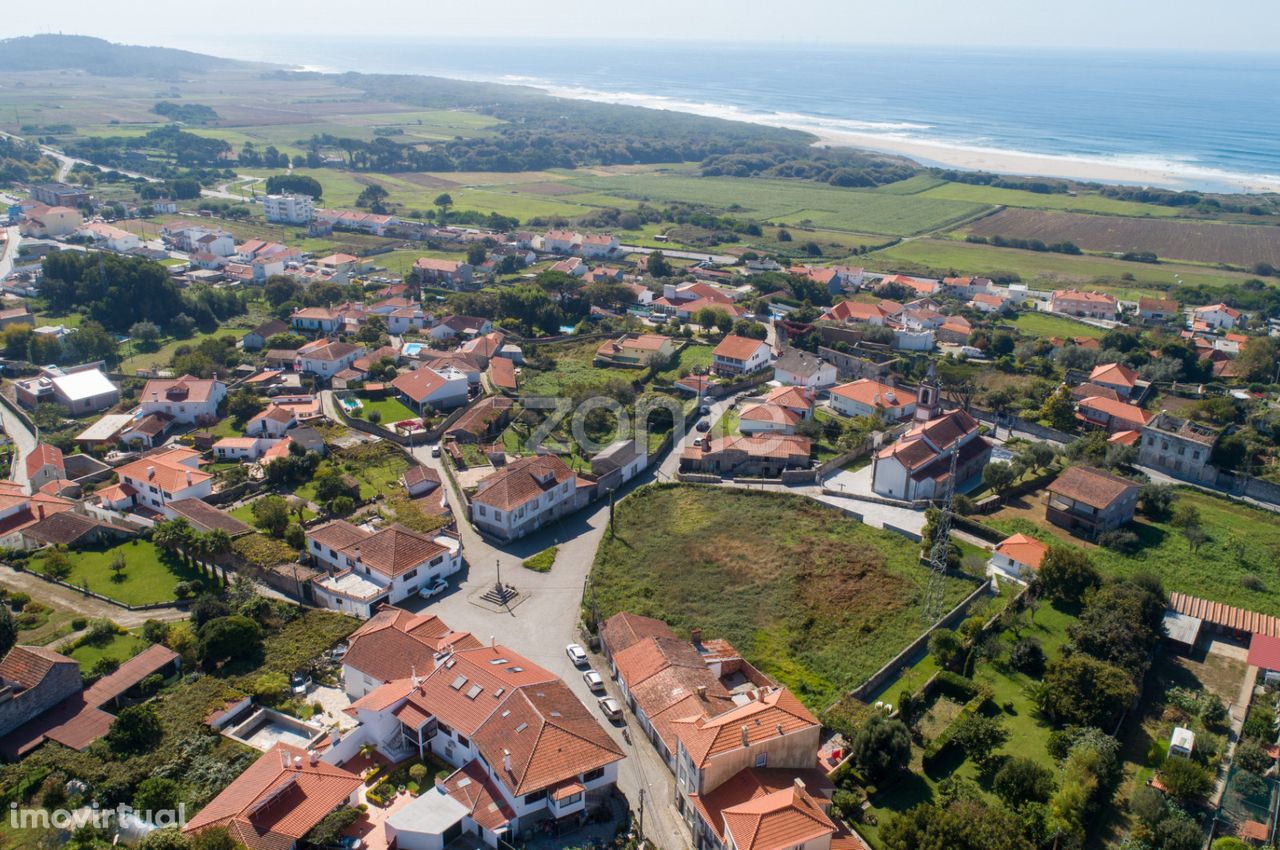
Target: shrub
[(100, 632), (1185, 779), (1027, 656), (1251, 757), (1119, 540), (881, 746), (78, 623), (1249, 581), (17, 601), (136, 729), (1023, 780)]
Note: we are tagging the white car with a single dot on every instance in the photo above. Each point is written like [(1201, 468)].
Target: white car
[(576, 654), (609, 708), (435, 588), (593, 680)]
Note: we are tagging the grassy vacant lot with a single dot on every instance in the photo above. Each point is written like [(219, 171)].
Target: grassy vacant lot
[(149, 575), (1045, 269), (391, 409), (814, 599), (793, 201), (692, 357), (573, 372), (1243, 544), (1044, 324), (119, 649)]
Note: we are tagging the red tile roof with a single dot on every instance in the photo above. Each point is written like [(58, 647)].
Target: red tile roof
[(705, 738), (1090, 486), (187, 388), (1264, 652), (874, 394), (521, 481), (44, 455), (1023, 549), (270, 806), (1226, 616), (738, 347), (393, 644), (471, 786), (419, 384), (1116, 374), (785, 818), (1121, 410)]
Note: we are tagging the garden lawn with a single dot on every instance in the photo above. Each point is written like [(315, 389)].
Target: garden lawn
[(119, 649), (391, 410), (816, 600), (149, 577), (1044, 324), (541, 562), (1243, 541), (691, 357)]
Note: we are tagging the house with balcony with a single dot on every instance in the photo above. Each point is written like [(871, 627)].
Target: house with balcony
[(1086, 305), (739, 355), (367, 569), (187, 400), (153, 481), (1089, 502)]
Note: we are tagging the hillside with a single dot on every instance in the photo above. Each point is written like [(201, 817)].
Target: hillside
[(52, 52)]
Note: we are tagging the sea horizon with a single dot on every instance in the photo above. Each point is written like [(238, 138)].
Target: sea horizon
[(1144, 117)]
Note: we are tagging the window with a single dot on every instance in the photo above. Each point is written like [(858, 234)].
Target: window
[(481, 509), (444, 729), (529, 799), (462, 740), (762, 759), (1195, 455), (409, 575), (436, 561), (593, 775), (497, 515)]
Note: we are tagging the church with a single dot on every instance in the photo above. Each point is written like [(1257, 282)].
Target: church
[(918, 465)]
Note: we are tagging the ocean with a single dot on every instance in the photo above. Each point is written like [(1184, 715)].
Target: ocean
[(1211, 120)]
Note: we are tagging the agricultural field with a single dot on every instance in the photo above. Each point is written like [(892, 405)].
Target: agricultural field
[(814, 599), (1083, 202), (792, 202), (1045, 324), (1193, 241), (1235, 565), (1046, 270)]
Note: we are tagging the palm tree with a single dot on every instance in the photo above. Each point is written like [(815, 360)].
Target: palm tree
[(174, 535)]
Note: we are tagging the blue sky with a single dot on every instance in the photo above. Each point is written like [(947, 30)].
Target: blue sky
[(1155, 24)]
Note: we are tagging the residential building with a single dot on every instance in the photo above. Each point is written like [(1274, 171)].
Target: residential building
[(256, 339), (526, 749), (765, 418), (1218, 316), (326, 358), (348, 220), (450, 273), (799, 368), (1157, 311), (1179, 447), (419, 480), (571, 266), (619, 462), (368, 569), (523, 496), (394, 644), (186, 399), (289, 208), (1091, 305), (33, 681), (111, 237), (80, 389), (1089, 502), (836, 279), (589, 245), (278, 799), (867, 397), (424, 388), (1112, 415), (966, 287), (154, 480), (798, 400), (483, 421), (50, 222), (1116, 377), (242, 448), (762, 455), (634, 349), (406, 319), (44, 464), (60, 194), (954, 330), (856, 312), (26, 517), (1017, 557), (685, 300), (322, 319), (739, 355), (987, 303)]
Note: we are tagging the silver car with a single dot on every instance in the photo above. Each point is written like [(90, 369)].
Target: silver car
[(593, 680), (576, 654), (609, 708)]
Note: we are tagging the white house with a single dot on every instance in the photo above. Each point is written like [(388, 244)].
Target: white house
[(322, 319), (867, 397), (272, 421), (108, 236), (798, 368), (325, 358), (523, 496), (1218, 316), (155, 480), (242, 448), (739, 355), (187, 399), (435, 388), (367, 569), (406, 319), (1017, 557)]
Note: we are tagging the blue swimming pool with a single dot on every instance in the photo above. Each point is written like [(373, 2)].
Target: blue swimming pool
[(411, 349)]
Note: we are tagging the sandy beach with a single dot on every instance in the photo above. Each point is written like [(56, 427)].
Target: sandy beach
[(1037, 165)]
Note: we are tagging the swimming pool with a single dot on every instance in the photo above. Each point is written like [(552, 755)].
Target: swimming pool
[(411, 349), (351, 405)]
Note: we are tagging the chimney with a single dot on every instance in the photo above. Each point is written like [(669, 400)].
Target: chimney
[(440, 785), (695, 636), (284, 759), (188, 478), (40, 510), (297, 762), (702, 692), (746, 739), (155, 396), (151, 472), (506, 760), (312, 757), (798, 786), (778, 728), (493, 642)]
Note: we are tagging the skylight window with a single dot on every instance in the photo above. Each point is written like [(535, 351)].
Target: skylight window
[(474, 691), (458, 683)]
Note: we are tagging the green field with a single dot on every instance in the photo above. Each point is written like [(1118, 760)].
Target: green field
[(692, 357), (942, 256), (1044, 324), (390, 408), (1084, 202), (814, 599), (1243, 542), (150, 573), (573, 374), (119, 649), (792, 201)]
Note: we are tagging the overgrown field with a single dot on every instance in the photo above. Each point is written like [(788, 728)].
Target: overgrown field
[(1196, 241), (815, 599)]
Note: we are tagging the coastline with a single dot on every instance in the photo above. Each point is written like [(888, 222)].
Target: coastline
[(1062, 166)]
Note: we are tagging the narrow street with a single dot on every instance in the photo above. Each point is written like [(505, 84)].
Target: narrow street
[(24, 443)]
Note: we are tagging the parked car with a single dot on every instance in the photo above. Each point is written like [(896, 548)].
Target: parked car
[(593, 680), (435, 588), (576, 654), (609, 708), (704, 426), (299, 683), (435, 450)]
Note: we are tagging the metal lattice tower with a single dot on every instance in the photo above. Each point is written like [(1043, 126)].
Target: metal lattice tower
[(935, 590)]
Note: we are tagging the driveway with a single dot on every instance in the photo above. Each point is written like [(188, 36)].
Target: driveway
[(544, 619), (13, 240), (24, 443)]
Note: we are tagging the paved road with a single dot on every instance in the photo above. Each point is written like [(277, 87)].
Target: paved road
[(24, 442)]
